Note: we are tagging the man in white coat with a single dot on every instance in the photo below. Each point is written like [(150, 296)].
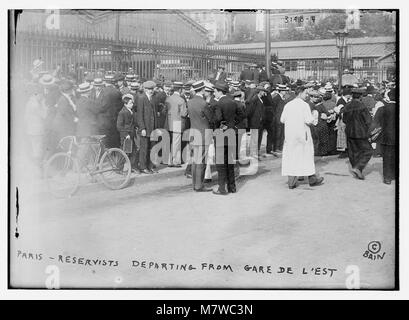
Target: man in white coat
[(298, 150)]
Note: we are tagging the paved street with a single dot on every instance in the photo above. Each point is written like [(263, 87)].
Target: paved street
[(158, 233)]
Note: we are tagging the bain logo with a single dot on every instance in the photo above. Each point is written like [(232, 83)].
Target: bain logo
[(374, 251)]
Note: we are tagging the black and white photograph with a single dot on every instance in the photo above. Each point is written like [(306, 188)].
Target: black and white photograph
[(196, 149)]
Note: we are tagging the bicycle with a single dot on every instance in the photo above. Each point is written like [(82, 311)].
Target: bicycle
[(63, 170)]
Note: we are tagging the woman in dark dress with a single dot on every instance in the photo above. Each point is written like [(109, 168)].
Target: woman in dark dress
[(321, 135)]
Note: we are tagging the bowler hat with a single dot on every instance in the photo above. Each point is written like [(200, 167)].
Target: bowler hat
[(237, 93), (221, 86), (358, 90)]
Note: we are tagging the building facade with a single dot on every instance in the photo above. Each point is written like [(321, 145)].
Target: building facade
[(319, 59), (170, 26)]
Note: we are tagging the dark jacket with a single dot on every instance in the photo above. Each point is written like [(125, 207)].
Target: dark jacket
[(87, 111), (262, 76), (159, 99), (268, 115), (146, 114), (200, 118), (369, 102), (246, 74), (255, 112), (126, 123), (278, 106), (357, 120), (109, 104), (256, 76), (242, 110), (385, 117), (226, 110)]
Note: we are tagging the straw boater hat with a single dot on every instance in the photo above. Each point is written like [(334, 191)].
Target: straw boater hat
[(322, 91), (85, 87), (235, 83), (177, 85), (134, 85), (199, 85), (282, 87), (97, 82), (328, 87), (130, 77), (109, 78), (47, 80), (209, 87)]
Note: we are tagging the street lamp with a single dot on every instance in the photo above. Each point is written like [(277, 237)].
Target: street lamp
[(340, 38)]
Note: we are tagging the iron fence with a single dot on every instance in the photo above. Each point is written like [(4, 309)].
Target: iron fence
[(149, 59), (378, 74)]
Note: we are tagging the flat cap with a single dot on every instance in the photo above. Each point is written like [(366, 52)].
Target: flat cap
[(149, 84)]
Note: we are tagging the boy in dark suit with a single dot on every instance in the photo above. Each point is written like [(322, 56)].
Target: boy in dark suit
[(126, 126)]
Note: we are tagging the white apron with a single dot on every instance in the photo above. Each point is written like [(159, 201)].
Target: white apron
[(298, 150)]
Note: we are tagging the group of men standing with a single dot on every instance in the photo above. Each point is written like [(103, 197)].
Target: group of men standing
[(125, 109)]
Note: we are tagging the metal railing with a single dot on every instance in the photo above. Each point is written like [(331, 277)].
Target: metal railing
[(149, 59)]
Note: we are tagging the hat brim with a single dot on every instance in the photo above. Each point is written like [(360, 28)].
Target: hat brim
[(47, 83), (199, 88), (86, 90)]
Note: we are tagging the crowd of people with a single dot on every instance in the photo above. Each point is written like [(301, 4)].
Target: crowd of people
[(302, 119)]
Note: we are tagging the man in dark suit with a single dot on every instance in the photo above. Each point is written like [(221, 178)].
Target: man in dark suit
[(227, 115), (255, 114), (262, 74), (220, 75), (109, 103), (246, 74), (126, 126), (358, 121), (256, 74), (146, 115), (200, 134), (385, 117), (278, 102)]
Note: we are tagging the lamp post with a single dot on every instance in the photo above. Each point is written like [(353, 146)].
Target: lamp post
[(268, 44), (340, 38)]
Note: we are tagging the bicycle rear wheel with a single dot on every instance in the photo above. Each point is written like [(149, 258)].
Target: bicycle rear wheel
[(115, 168), (62, 175)]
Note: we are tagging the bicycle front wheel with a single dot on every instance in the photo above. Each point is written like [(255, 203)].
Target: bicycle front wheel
[(62, 175), (115, 169)]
